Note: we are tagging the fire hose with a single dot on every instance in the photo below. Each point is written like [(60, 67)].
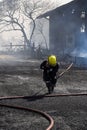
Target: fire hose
[(44, 114), (62, 73)]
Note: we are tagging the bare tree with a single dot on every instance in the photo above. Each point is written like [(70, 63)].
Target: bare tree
[(12, 18), (33, 8), (16, 14)]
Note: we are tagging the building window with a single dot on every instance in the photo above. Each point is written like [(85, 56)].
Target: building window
[(82, 29), (83, 14)]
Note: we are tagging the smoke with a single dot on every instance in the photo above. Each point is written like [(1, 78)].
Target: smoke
[(79, 53), (81, 45)]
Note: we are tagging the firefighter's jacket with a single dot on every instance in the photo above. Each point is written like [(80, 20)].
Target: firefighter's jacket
[(49, 72)]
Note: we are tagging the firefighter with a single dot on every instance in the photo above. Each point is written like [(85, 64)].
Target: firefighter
[(50, 68)]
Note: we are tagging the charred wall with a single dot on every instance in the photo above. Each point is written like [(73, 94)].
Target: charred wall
[(68, 27)]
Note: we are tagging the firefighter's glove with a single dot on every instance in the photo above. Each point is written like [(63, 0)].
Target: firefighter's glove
[(55, 77)]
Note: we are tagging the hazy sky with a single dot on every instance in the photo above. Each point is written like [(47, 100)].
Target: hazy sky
[(60, 2), (57, 3)]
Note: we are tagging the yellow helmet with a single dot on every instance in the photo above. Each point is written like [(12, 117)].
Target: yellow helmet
[(52, 60)]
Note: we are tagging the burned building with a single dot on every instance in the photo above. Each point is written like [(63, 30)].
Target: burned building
[(68, 28)]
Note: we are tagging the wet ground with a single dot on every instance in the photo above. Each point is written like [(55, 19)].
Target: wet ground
[(24, 78)]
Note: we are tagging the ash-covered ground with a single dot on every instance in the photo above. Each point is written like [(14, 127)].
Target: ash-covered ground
[(24, 78)]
